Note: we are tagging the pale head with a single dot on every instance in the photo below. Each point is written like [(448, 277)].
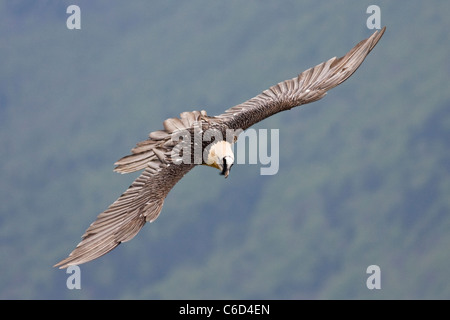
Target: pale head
[(221, 157)]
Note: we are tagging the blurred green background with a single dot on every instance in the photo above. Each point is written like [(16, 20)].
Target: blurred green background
[(364, 173)]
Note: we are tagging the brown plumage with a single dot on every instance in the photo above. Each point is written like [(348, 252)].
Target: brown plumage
[(143, 200)]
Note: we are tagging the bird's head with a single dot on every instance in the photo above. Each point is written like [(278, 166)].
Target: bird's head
[(221, 157)]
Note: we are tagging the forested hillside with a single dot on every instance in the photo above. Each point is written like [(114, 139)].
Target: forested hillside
[(364, 174)]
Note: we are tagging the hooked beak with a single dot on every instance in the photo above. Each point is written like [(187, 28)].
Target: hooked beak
[(225, 168)]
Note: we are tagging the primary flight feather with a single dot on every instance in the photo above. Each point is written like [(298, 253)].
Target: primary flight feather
[(168, 154)]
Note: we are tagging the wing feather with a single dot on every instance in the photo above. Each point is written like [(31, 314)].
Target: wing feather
[(142, 202), (311, 85), (153, 151)]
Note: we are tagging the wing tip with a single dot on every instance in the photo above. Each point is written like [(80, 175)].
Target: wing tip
[(376, 36), (63, 264)]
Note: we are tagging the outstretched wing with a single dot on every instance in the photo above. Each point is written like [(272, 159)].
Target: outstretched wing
[(154, 151), (143, 200), (311, 85)]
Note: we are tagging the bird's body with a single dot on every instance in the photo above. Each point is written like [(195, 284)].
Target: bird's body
[(198, 139)]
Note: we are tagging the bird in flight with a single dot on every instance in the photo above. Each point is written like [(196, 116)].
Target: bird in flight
[(198, 139)]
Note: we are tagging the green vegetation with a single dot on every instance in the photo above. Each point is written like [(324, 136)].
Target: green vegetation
[(364, 173)]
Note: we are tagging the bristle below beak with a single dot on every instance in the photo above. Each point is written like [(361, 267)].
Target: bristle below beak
[(225, 173)]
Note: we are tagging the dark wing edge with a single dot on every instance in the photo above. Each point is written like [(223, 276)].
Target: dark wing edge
[(144, 199), (140, 203), (311, 85)]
